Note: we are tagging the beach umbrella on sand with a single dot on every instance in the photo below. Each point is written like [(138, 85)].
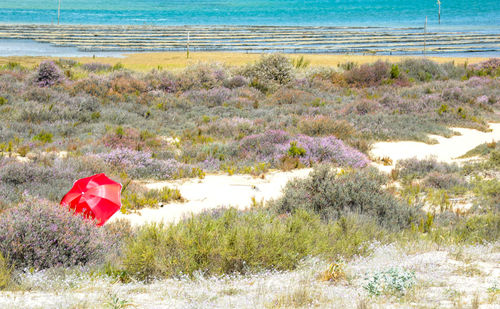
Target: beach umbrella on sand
[(96, 197)]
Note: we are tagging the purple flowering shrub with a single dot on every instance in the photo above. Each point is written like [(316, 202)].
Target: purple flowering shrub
[(48, 74), (488, 67), (141, 164), (41, 235), (131, 138), (212, 97), (50, 180), (273, 145)]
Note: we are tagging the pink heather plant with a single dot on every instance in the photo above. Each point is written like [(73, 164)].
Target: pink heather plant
[(272, 145), (482, 99), (41, 235)]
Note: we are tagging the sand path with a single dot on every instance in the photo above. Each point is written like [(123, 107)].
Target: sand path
[(241, 191), (214, 191), (446, 150)]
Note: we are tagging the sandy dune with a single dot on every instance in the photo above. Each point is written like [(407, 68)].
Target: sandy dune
[(214, 191)]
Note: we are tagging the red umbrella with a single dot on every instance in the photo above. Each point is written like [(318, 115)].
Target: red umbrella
[(96, 197)]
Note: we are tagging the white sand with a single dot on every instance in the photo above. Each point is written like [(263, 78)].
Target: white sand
[(212, 192), (446, 150)]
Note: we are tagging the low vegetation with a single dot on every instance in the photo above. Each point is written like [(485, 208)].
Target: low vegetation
[(63, 121)]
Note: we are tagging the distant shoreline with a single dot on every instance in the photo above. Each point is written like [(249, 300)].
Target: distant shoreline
[(92, 39)]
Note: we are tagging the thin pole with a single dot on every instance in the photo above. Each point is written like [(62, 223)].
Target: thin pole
[(187, 47), (439, 11), (58, 12), (425, 33)]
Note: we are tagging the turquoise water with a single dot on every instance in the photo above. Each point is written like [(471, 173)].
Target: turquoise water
[(455, 14)]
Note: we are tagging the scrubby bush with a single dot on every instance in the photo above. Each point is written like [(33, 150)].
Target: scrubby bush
[(368, 74), (48, 74), (414, 168), (235, 82), (40, 234), (323, 125), (230, 241), (201, 76), (287, 96), (422, 69), (212, 97), (444, 181), (274, 68), (333, 195), (49, 179)]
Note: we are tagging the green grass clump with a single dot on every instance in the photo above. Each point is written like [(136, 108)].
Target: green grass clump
[(479, 228), (138, 199), (488, 192), (5, 272), (43, 137), (229, 241), (333, 195)]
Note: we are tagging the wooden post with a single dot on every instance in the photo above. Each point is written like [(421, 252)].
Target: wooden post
[(187, 47), (425, 33), (439, 11), (58, 12)]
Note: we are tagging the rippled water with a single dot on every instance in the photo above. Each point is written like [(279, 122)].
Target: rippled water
[(457, 14)]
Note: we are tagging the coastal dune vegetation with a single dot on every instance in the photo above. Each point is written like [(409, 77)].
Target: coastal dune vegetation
[(64, 120)]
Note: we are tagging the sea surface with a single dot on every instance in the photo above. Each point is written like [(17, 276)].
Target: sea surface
[(469, 15)]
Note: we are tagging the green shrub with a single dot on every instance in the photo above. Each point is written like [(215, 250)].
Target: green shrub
[(334, 195), (474, 229), (395, 71), (5, 272), (43, 137), (421, 69), (488, 193), (229, 241), (294, 151), (3, 101), (138, 198)]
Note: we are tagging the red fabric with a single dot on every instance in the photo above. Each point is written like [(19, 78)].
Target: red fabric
[(96, 197)]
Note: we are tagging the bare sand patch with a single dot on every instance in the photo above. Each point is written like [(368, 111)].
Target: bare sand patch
[(217, 190), (446, 149)]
